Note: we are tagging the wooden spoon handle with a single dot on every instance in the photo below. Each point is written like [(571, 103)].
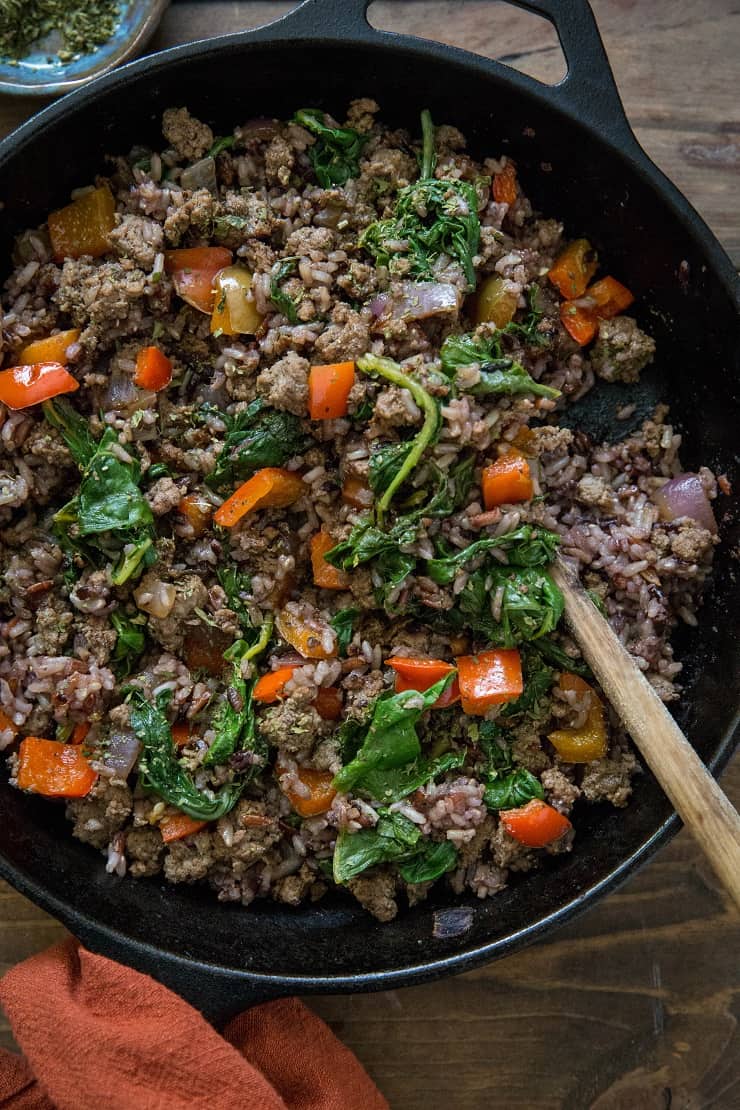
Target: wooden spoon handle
[(696, 796)]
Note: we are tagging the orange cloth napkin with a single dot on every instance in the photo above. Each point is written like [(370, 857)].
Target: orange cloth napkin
[(99, 1036)]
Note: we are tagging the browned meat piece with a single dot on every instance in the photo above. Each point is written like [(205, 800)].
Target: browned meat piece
[(189, 859), (610, 779), (560, 792), (622, 350), (292, 726), (102, 813), (285, 384), (138, 238), (377, 893), (144, 851), (190, 138)]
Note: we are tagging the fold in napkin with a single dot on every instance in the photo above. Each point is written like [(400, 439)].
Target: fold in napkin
[(95, 1034)]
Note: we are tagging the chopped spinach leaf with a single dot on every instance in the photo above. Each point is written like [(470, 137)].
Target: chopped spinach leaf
[(391, 740), (498, 373), (527, 546), (235, 584), (394, 839), (385, 463), (432, 218), (434, 860), (130, 643), (335, 156), (221, 142), (343, 623), (512, 790), (257, 436), (160, 770), (538, 680), (531, 605), (109, 515), (283, 303), (396, 783), (234, 720), (157, 470), (554, 654)]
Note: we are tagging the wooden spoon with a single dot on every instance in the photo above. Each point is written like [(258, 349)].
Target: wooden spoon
[(696, 796)]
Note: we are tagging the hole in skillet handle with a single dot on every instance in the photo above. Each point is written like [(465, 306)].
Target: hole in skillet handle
[(494, 29)]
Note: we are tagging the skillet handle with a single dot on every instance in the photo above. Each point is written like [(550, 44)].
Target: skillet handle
[(588, 89)]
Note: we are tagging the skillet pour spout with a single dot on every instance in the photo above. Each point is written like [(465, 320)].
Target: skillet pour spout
[(223, 957)]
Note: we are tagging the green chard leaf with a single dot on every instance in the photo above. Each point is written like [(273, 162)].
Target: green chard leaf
[(560, 659), (538, 679), (399, 469), (432, 218), (235, 584), (335, 156), (221, 142), (75, 430), (256, 437), (391, 740), (161, 771)]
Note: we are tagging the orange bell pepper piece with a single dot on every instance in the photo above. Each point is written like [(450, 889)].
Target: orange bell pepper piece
[(6, 724), (580, 322), (573, 269), (328, 390), (23, 386), (153, 369), (321, 795), (328, 703), (610, 297), (507, 480), (193, 271), (51, 349), (306, 634), (420, 674), (270, 686), (83, 226), (198, 511), (54, 770), (504, 187), (489, 678), (181, 734), (324, 574), (178, 825), (535, 824), (589, 741), (270, 488), (356, 493)]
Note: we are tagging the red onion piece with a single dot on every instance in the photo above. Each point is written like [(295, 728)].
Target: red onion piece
[(258, 128), (685, 496), (122, 751), (416, 300), (201, 175)]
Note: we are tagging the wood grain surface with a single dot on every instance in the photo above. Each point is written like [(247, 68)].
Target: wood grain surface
[(635, 1006)]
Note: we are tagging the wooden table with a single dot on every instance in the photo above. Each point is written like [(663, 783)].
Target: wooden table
[(636, 1005)]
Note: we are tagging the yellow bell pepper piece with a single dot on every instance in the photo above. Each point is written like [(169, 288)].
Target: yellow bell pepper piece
[(493, 303), (589, 742), (51, 349), (235, 312), (83, 226)]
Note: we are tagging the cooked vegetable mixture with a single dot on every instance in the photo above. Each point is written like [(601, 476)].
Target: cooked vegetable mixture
[(282, 477)]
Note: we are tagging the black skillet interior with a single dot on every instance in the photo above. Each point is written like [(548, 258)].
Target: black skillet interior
[(588, 171)]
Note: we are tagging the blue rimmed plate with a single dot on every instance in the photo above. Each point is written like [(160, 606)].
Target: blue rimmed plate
[(40, 73)]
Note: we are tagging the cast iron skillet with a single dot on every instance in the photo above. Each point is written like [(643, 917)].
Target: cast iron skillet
[(598, 179)]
